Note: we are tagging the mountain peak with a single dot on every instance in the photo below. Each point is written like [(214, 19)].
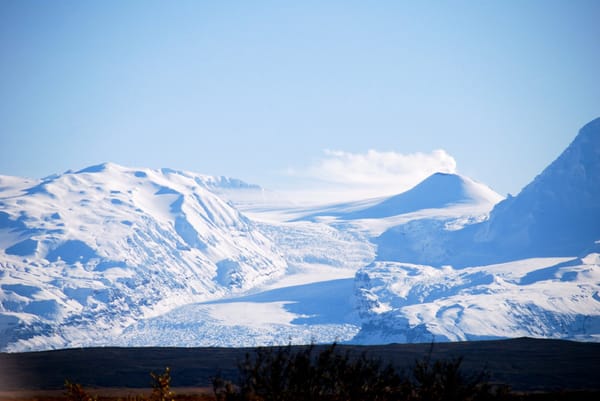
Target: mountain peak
[(98, 168), (557, 214), (443, 182), (591, 129), (580, 160), (440, 174), (439, 190)]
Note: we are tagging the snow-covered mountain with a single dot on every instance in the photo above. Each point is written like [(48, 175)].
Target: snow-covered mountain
[(557, 214), (111, 255), (97, 249), (438, 191)]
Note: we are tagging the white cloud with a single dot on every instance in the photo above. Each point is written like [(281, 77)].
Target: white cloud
[(371, 174)]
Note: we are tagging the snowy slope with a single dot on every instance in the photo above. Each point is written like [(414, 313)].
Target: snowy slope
[(438, 191), (321, 311), (441, 202), (87, 253), (557, 214), (438, 207), (543, 297)]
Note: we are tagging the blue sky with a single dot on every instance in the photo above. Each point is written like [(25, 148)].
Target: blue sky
[(276, 93)]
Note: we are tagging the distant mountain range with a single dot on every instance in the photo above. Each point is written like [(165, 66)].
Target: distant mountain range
[(111, 255)]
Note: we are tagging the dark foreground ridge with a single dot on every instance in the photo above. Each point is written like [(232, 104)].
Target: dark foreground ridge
[(524, 364)]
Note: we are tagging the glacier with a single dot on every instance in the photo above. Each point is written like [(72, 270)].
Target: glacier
[(112, 255)]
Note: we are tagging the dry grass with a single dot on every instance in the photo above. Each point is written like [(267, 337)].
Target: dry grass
[(205, 394), (108, 394)]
